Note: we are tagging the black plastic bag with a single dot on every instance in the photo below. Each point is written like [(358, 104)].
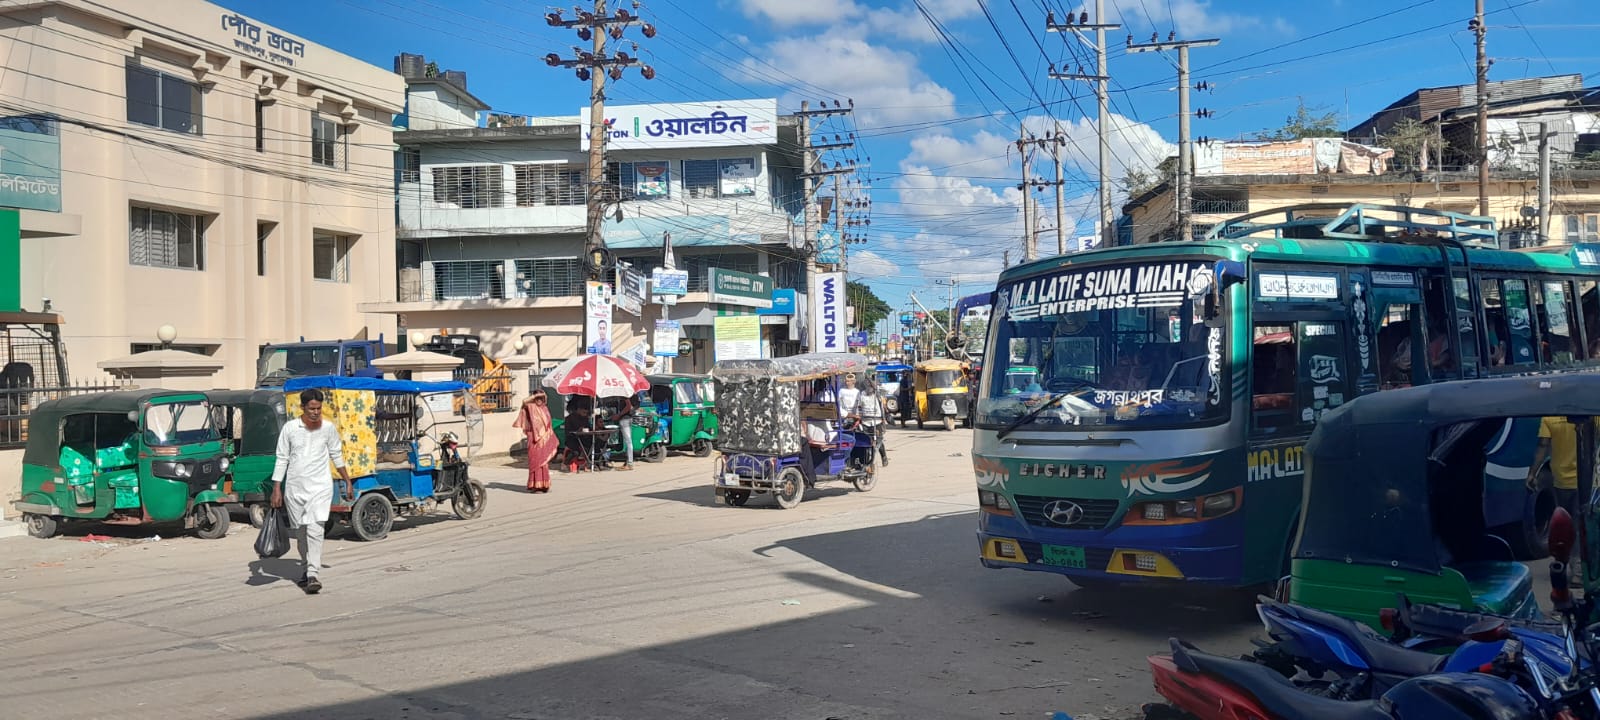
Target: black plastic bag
[(273, 541)]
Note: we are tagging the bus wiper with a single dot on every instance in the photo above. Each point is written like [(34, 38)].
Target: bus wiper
[(1031, 414)]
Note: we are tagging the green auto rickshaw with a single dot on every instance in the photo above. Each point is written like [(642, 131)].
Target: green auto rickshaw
[(1399, 497), (686, 419), (648, 442), (130, 457), (249, 422)]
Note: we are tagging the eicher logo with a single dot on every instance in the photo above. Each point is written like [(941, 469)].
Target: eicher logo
[(830, 313)]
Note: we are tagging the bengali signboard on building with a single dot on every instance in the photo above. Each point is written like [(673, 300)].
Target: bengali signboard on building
[(30, 163), (248, 38), (630, 290), (687, 125), (731, 287), (737, 337), (666, 338)]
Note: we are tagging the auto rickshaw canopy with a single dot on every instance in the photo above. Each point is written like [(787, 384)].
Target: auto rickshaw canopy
[(44, 423), (942, 364), (1369, 464), (794, 368), (263, 415), (336, 382)]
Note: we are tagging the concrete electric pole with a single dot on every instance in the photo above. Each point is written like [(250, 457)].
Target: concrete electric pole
[(1480, 30), (1185, 202), (1103, 115), (1030, 242)]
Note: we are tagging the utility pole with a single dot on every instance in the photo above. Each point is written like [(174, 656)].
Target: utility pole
[(1544, 183), (1061, 208), (1030, 218), (1185, 203), (1101, 96), (1480, 30), (811, 171), (1030, 243)]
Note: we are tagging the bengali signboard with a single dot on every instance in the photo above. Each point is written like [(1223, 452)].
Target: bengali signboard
[(630, 290), (688, 125), (30, 163), (858, 339), (731, 287), (597, 317), (666, 338), (672, 283), (737, 337), (1148, 285), (783, 303), (247, 38)]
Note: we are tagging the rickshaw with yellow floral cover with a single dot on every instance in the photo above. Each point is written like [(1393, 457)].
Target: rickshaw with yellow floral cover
[(405, 447)]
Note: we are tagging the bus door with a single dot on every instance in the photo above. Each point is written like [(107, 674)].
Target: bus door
[(1299, 350), (1398, 326)]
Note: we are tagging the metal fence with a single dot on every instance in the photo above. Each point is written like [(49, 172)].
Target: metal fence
[(492, 387), (17, 405)]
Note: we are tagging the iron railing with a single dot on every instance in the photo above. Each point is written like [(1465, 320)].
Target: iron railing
[(18, 403), (1220, 206), (492, 387)]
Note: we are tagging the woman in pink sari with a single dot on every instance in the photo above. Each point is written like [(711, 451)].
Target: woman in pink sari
[(534, 419)]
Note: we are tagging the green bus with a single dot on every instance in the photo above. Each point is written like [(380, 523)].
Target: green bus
[(1181, 381)]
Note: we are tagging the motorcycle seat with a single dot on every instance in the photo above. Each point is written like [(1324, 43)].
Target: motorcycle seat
[(1277, 694), (1382, 655)]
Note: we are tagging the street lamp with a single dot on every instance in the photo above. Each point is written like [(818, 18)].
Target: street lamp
[(166, 334), (418, 338)]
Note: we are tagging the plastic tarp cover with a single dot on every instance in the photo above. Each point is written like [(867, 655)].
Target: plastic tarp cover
[(794, 367), (335, 382), (760, 416)]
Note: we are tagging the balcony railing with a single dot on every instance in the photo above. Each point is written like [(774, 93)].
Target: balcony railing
[(1216, 206)]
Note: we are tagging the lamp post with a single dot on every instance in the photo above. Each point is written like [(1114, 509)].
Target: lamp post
[(166, 334)]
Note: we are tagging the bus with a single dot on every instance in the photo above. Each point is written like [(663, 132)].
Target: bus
[(1179, 382)]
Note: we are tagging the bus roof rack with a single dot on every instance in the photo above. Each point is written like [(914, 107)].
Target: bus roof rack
[(1358, 221)]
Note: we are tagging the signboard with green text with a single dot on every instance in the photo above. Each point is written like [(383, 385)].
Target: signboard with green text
[(30, 163), (731, 287)]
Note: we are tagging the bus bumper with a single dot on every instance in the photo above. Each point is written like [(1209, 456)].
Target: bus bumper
[(1210, 552)]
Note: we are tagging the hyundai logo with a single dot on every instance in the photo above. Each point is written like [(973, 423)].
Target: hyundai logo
[(1063, 512)]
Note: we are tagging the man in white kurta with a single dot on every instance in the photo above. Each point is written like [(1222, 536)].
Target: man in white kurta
[(305, 447)]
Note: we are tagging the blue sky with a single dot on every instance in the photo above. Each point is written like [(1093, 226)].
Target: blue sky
[(936, 108)]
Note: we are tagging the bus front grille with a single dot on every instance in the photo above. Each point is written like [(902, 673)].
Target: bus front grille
[(1091, 514)]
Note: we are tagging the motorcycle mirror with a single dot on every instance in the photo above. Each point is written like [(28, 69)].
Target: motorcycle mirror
[(1487, 629), (1562, 535)]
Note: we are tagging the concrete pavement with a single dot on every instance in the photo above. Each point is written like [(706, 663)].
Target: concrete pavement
[(618, 595)]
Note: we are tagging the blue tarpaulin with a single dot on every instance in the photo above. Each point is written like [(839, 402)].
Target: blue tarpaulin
[(334, 382)]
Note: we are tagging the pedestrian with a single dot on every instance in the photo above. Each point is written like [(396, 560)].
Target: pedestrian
[(869, 408), (627, 410), (577, 425), (302, 484), (534, 419), (1558, 443), (848, 395)]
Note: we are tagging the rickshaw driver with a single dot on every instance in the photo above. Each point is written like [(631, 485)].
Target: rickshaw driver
[(305, 447)]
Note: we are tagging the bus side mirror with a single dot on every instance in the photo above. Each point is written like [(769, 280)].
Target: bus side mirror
[(1226, 274)]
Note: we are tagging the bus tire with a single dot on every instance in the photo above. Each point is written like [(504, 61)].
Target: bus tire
[(1528, 539)]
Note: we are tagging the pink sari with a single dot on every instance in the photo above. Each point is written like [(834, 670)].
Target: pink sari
[(534, 420)]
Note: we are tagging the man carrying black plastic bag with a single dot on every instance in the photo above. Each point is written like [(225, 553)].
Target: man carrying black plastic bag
[(273, 541), (302, 484)]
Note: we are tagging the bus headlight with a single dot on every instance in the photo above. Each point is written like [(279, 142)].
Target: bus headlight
[(1168, 512), (994, 502)]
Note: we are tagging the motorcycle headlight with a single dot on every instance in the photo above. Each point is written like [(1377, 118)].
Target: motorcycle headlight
[(224, 464), (182, 470)]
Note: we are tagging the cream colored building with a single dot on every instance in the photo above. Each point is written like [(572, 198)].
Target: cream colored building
[(217, 174)]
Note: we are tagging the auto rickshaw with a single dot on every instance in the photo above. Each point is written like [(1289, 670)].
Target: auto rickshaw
[(941, 387), (249, 422), (648, 439), (889, 377), (685, 420), (1395, 495), (782, 430), (403, 443), (131, 457)]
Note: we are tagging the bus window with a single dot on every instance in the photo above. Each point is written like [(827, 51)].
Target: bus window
[(1322, 370), (1519, 318), (1466, 324), (1394, 347), (1436, 314), (1494, 320), (1589, 304), (1553, 308), (1273, 373)]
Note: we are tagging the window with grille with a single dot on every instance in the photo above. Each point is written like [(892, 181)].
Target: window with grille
[(165, 101), (728, 177), (330, 257), (1583, 228), (410, 165), (469, 186), (158, 238), (548, 185), (549, 277), (327, 142), (468, 280)]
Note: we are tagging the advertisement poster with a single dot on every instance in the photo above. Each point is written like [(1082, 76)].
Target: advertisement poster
[(669, 283), (830, 326), (666, 338), (858, 339), (651, 180), (738, 177), (737, 337), (630, 290), (597, 317), (728, 123)]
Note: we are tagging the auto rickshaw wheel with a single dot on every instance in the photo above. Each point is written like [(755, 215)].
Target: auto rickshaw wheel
[(949, 423), (469, 500), (702, 448), (211, 521), (655, 452), (736, 498), (372, 517), (869, 480), (791, 487), (43, 527), (258, 514)]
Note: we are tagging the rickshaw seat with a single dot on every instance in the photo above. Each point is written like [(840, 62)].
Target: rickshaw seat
[(1497, 587)]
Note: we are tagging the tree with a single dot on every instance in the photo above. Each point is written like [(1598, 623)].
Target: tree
[(1303, 124), (869, 307), (1139, 182), (1413, 142)]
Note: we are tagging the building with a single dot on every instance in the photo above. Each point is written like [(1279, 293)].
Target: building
[(491, 225), (1437, 127), (202, 170)]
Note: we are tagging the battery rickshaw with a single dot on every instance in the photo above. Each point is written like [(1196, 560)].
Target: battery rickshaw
[(783, 430), (404, 443), (130, 457)]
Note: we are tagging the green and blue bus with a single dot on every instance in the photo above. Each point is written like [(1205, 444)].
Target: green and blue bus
[(1180, 381)]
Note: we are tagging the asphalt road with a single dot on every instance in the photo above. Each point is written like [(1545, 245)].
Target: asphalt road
[(618, 595)]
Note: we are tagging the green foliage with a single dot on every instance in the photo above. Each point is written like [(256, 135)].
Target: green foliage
[(869, 307), (1412, 141), (1304, 124)]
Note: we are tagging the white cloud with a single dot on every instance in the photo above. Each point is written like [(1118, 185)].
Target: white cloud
[(985, 155), (1192, 19), (807, 12), (886, 84), (1133, 145), (868, 264), (964, 228)]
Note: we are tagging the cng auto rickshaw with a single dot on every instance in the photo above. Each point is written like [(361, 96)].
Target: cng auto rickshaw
[(1395, 497), (249, 422), (648, 438), (941, 387), (783, 431), (889, 377), (684, 418), (403, 443), (131, 457)]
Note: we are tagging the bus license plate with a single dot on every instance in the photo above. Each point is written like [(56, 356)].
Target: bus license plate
[(1063, 556)]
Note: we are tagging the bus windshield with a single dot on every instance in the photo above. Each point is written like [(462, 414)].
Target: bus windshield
[(1124, 345)]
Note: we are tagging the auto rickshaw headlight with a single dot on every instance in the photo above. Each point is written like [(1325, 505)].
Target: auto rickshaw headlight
[(224, 464)]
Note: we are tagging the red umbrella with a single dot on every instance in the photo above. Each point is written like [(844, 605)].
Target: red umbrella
[(597, 376)]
